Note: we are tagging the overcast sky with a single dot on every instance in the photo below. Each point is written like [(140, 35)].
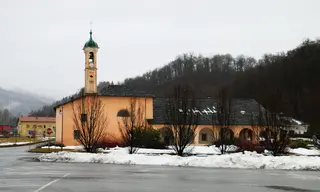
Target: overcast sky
[(42, 41)]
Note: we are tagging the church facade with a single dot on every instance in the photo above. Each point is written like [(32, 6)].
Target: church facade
[(117, 97)]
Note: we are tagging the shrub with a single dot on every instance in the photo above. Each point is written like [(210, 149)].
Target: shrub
[(148, 137), (259, 149), (245, 145), (108, 143), (299, 144), (5, 134), (218, 142)]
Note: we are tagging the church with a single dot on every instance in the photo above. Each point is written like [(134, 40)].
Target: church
[(117, 98)]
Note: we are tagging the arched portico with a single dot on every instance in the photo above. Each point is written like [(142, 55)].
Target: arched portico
[(205, 136), (246, 134)]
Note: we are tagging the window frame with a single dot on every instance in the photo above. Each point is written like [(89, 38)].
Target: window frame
[(204, 135), (76, 134)]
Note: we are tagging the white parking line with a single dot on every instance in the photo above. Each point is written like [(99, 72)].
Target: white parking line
[(50, 183)]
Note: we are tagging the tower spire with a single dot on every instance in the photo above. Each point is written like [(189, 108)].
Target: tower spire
[(90, 49), (90, 29), (91, 43)]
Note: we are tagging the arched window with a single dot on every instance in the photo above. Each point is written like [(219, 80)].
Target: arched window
[(123, 113)]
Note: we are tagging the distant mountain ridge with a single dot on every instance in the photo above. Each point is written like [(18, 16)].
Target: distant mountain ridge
[(20, 102)]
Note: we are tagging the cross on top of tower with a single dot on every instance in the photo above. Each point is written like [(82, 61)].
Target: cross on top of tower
[(91, 43)]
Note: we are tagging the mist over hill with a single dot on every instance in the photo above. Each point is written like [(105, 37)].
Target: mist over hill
[(19, 102)]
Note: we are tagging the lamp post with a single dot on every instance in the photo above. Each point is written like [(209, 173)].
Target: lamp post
[(16, 133), (34, 133), (61, 134)]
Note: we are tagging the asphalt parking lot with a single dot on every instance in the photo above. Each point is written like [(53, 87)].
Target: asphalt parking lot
[(20, 173)]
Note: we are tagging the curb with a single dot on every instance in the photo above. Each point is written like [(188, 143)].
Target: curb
[(27, 144)]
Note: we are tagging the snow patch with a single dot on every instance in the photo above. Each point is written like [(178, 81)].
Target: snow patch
[(301, 138), (296, 121), (12, 143), (194, 150), (249, 160), (66, 147), (304, 151)]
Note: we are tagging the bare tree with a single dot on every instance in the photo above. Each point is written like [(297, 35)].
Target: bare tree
[(277, 136), (131, 125), (256, 124), (256, 129), (223, 118), (90, 122), (180, 118)]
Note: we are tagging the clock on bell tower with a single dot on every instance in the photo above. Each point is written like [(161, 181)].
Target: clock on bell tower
[(90, 49)]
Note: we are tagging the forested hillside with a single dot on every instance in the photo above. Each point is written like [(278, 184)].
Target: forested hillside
[(6, 118), (288, 81)]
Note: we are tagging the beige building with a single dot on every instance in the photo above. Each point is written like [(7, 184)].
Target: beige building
[(117, 98)]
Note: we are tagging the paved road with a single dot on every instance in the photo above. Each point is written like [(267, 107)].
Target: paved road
[(19, 173)]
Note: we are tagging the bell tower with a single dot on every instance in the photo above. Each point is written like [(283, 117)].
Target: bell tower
[(90, 49)]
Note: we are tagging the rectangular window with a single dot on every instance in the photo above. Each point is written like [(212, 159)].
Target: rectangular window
[(44, 126), (83, 117), (204, 137), (76, 134), (27, 126), (39, 126)]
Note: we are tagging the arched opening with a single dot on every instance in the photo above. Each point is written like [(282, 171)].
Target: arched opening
[(246, 134), (206, 136), (166, 135), (227, 134), (265, 134)]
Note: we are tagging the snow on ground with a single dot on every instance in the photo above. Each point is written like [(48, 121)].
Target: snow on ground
[(194, 150), (211, 150), (46, 138), (250, 160), (301, 138), (66, 147), (296, 121), (304, 151), (12, 143)]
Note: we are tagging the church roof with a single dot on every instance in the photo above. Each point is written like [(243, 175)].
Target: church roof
[(111, 91), (123, 91), (91, 43), (244, 111)]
